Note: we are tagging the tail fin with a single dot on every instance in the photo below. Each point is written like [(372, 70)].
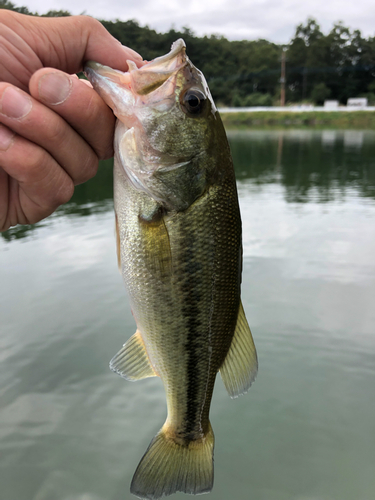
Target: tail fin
[(168, 467)]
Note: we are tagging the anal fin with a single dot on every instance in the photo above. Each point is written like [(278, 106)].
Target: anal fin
[(241, 364), (132, 361)]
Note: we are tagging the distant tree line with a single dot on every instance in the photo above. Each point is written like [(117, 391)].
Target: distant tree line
[(337, 66)]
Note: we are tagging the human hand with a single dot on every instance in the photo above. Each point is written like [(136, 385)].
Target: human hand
[(54, 128)]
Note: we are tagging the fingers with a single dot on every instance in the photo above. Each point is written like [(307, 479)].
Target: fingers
[(51, 139), (37, 123), (100, 43), (67, 42), (18, 61), (36, 185), (79, 105)]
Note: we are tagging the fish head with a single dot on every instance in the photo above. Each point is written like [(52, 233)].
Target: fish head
[(169, 133)]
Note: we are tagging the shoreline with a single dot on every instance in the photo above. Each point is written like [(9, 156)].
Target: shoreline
[(301, 118)]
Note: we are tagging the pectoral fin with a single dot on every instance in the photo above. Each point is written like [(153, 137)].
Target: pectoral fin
[(132, 361), (157, 245), (241, 364)]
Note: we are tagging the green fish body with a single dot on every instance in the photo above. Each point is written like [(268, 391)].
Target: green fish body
[(180, 253)]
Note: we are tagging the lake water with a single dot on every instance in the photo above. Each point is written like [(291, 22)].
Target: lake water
[(70, 429)]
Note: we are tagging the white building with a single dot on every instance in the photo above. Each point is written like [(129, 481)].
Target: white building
[(331, 104), (357, 102)]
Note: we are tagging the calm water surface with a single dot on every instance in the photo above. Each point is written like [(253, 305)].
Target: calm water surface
[(72, 430)]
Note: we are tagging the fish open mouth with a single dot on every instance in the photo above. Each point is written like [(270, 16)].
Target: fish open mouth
[(152, 75), (145, 80), (171, 61)]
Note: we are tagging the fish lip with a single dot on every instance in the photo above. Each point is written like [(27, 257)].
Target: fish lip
[(153, 75), (100, 69), (168, 62), (165, 64)]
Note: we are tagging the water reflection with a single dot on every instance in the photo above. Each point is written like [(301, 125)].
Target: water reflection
[(319, 166), (73, 431), (311, 166)]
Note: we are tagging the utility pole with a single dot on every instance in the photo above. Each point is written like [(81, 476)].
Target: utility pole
[(304, 83), (282, 79)]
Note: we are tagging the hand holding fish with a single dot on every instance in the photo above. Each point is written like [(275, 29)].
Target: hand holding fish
[(53, 127)]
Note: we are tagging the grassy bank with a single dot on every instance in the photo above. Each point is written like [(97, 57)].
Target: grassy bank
[(311, 119)]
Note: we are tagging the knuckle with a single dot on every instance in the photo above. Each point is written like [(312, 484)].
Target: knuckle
[(88, 168), (105, 151), (33, 169), (64, 192), (56, 133), (96, 25), (91, 24), (108, 154)]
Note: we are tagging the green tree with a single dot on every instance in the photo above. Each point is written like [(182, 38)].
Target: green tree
[(57, 13), (307, 51), (342, 60), (320, 93), (5, 4), (258, 99), (340, 64)]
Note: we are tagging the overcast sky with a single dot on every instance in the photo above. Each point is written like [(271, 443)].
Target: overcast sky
[(273, 20)]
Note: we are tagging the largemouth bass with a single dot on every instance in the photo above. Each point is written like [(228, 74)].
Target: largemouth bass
[(180, 253)]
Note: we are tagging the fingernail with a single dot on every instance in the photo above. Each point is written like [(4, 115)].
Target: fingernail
[(15, 103), (6, 138), (54, 88)]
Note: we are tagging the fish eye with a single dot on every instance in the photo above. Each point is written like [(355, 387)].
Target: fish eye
[(193, 101)]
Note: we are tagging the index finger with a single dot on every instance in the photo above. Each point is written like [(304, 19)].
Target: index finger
[(67, 42)]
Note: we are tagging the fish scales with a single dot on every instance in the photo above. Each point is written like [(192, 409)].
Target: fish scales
[(180, 252), (171, 310)]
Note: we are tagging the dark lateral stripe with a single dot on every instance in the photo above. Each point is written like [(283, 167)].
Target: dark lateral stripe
[(192, 299)]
